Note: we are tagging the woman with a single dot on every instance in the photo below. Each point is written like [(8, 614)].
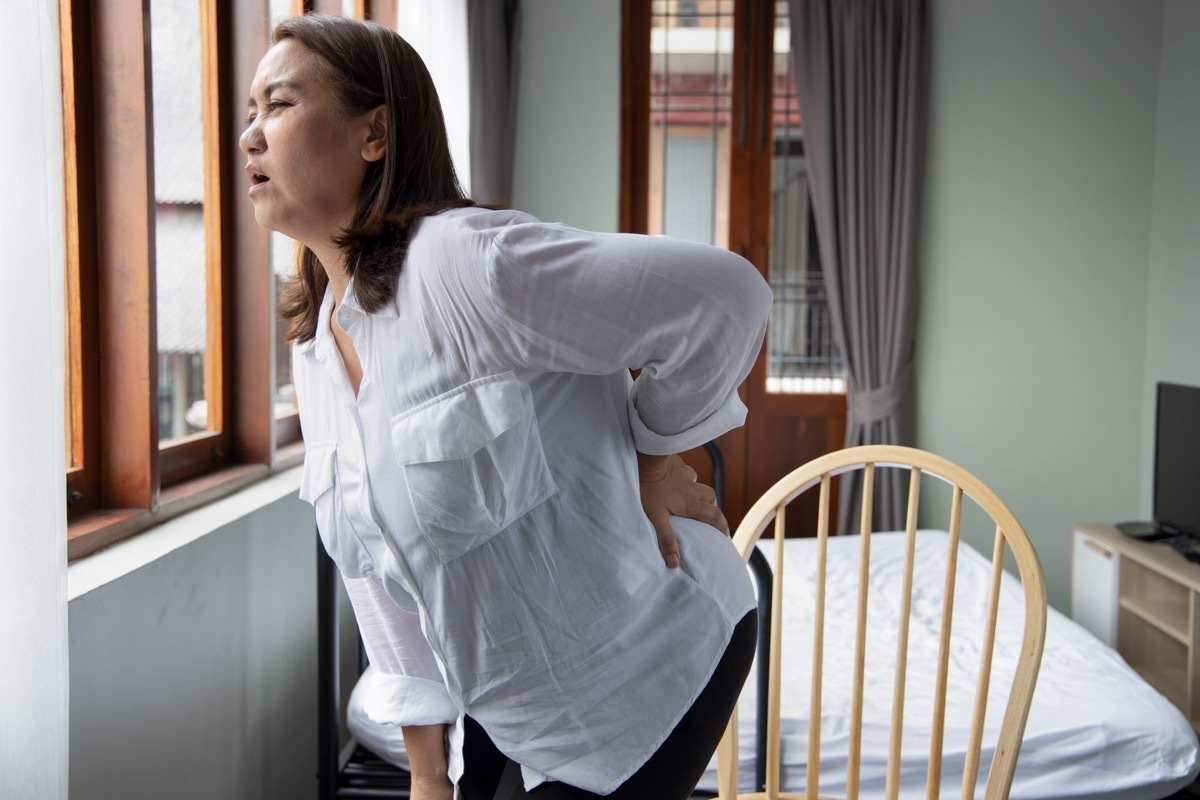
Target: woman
[(555, 597)]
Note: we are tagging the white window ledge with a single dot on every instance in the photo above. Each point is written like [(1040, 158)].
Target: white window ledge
[(110, 564)]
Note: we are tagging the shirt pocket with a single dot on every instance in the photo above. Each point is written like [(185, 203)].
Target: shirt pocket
[(318, 483), (474, 462)]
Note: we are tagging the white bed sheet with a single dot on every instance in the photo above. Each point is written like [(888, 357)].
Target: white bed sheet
[(1095, 729)]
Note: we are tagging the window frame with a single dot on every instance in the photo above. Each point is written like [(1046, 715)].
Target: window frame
[(120, 480)]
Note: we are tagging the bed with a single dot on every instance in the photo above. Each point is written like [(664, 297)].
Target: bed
[(1095, 728)]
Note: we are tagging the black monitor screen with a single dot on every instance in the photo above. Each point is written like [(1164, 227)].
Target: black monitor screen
[(1177, 458)]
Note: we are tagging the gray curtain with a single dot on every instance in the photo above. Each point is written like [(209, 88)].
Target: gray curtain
[(493, 34), (862, 81)]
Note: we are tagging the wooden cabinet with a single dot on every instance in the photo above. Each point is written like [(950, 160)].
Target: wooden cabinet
[(1147, 596)]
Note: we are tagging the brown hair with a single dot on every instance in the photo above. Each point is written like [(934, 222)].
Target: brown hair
[(367, 65)]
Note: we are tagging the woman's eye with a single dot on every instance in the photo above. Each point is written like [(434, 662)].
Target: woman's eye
[(273, 105)]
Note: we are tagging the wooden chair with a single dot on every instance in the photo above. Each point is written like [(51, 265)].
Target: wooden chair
[(818, 475)]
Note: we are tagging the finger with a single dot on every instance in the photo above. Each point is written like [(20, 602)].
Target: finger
[(690, 473), (705, 493), (710, 513), (668, 545)]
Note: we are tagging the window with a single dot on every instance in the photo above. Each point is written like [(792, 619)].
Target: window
[(713, 151), (691, 98), (178, 377), (183, 271), (802, 357), (689, 153)]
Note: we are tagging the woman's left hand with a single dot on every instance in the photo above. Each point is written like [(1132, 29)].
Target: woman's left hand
[(669, 486)]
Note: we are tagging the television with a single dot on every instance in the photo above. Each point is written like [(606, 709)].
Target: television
[(1177, 459), (1176, 468)]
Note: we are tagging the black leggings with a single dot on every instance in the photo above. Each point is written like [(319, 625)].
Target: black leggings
[(670, 774)]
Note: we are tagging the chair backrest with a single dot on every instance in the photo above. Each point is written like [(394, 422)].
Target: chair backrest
[(818, 475)]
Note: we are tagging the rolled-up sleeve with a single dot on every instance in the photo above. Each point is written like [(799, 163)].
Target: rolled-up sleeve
[(408, 688), (691, 317)]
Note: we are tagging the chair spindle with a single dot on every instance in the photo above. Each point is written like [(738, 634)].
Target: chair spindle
[(934, 775), (774, 756), (971, 767), (860, 642), (892, 785), (813, 771)]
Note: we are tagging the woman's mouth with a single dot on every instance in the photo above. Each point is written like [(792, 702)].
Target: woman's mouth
[(257, 178)]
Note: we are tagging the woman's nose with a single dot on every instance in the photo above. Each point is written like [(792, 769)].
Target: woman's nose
[(251, 140)]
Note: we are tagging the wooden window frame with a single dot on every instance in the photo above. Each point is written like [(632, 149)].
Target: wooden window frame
[(382, 11), (634, 167), (124, 481)]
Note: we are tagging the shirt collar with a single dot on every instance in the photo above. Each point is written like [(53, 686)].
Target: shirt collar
[(322, 337), (350, 303), (350, 311)]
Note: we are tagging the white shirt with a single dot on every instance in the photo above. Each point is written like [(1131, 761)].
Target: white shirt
[(485, 481)]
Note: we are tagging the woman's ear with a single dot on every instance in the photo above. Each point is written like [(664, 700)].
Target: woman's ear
[(375, 145)]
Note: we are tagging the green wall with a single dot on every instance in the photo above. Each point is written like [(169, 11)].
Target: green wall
[(1035, 252), (1173, 304), (569, 112)]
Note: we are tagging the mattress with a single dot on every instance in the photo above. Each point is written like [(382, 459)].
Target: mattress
[(1095, 729)]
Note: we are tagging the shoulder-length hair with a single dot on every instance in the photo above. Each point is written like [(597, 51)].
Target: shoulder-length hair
[(367, 65)]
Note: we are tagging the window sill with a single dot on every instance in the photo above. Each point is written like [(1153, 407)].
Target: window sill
[(187, 512)]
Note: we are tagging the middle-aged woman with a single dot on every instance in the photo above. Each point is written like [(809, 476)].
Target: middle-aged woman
[(554, 597)]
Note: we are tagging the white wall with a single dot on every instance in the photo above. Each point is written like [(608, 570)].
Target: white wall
[(33, 531), (194, 675), (568, 121), (1173, 302)]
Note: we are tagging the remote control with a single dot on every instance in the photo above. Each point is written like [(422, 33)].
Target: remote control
[(1186, 546)]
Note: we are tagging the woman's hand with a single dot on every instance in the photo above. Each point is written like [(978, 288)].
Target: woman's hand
[(669, 487)]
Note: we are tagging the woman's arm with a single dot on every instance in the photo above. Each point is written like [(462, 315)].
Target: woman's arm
[(426, 749), (408, 689), (691, 317)]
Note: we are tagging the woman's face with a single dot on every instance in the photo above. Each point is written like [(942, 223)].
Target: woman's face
[(305, 157)]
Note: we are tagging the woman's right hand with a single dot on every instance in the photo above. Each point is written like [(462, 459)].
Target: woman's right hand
[(669, 486), (425, 788)]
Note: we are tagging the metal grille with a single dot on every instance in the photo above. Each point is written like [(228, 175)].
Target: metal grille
[(802, 356)]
